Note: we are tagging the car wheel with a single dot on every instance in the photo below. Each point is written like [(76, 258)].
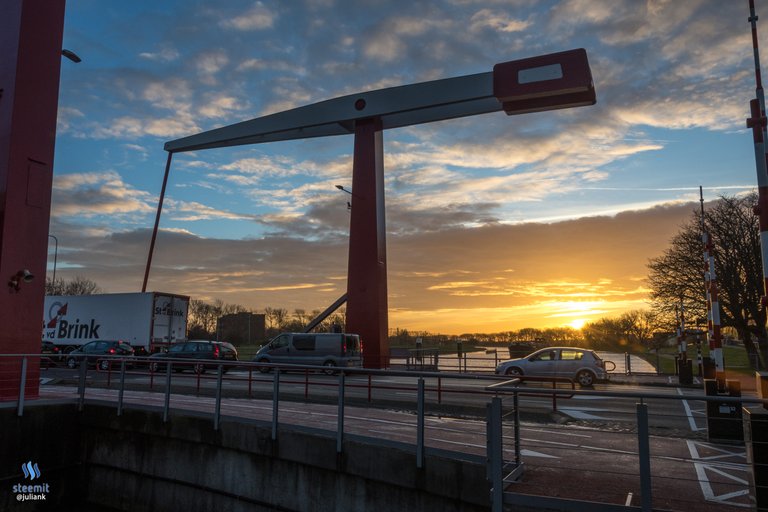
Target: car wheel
[(199, 368), (71, 363), (514, 372), (585, 378), (328, 368), (264, 369), (104, 365)]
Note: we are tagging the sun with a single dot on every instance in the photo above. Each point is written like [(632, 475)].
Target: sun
[(578, 323)]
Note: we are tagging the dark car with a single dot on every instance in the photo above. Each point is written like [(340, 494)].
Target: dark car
[(219, 351), (52, 349), (95, 351)]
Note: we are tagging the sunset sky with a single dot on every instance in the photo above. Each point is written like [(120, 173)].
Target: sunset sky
[(493, 222)]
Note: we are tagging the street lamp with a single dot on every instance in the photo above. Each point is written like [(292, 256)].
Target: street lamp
[(340, 187), (55, 256)]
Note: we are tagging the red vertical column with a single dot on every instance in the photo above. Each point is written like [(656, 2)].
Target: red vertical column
[(367, 273), (30, 38)]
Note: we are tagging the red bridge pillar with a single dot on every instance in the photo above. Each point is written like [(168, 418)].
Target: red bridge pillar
[(30, 37), (367, 274)]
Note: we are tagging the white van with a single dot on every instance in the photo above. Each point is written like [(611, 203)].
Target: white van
[(320, 349)]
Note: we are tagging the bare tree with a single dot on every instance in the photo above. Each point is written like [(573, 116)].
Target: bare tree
[(79, 285), (678, 275)]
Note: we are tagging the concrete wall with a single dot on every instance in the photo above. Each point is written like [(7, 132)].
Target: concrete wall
[(49, 437), (138, 463)]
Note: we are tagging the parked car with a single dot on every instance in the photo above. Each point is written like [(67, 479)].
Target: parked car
[(321, 349), (95, 351), (49, 347), (582, 365), (219, 351)]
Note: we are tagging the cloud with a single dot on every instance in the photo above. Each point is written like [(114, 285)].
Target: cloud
[(164, 55), (462, 270), (389, 40), (496, 21), (104, 194), (258, 17)]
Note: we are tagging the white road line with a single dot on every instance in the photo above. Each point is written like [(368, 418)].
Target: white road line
[(557, 432), (531, 453), (691, 421), (629, 500), (608, 450), (581, 414), (706, 487)]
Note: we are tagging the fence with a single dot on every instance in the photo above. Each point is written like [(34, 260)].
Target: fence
[(546, 444)]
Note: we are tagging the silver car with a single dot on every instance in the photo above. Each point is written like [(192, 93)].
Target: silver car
[(582, 365)]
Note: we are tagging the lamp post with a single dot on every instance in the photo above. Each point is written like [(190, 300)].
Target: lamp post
[(340, 187), (55, 256)]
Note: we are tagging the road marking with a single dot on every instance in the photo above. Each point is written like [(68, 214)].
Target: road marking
[(629, 500), (701, 466), (567, 434), (531, 453), (691, 421), (580, 414), (608, 450)]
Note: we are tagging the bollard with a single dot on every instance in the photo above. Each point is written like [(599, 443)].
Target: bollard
[(685, 371), (756, 441), (761, 381), (724, 418)]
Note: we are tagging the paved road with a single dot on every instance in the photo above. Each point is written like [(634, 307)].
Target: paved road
[(561, 460), (467, 396)]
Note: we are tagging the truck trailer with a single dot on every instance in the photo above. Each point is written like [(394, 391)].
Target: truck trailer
[(149, 321)]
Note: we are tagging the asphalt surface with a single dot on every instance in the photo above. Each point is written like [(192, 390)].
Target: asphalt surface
[(586, 450)]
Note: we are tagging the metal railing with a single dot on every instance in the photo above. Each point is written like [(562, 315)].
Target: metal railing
[(513, 472)]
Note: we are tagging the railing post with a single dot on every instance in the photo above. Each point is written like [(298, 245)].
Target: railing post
[(340, 418), (644, 454), (275, 401), (420, 426), (306, 383), (122, 389), (167, 404), (439, 390), (81, 384), (516, 415), (250, 381), (494, 449), (22, 387), (217, 410)]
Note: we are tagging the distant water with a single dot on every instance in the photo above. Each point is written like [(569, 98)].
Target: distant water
[(483, 361)]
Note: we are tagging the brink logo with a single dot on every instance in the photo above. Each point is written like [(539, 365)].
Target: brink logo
[(30, 470), (78, 330)]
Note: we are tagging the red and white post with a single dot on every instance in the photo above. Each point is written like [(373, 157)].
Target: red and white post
[(682, 346), (714, 334), (757, 122)]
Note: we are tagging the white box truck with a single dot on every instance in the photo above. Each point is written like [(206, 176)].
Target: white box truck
[(148, 321)]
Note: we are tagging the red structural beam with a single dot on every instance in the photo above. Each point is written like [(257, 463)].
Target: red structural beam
[(30, 37)]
